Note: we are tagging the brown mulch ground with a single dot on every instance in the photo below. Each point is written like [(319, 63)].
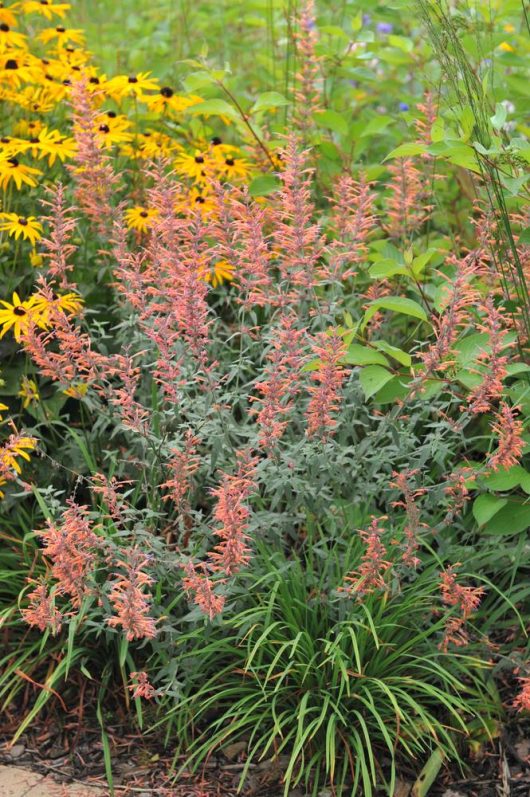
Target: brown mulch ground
[(142, 767)]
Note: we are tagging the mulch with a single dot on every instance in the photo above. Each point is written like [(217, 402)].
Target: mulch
[(143, 767)]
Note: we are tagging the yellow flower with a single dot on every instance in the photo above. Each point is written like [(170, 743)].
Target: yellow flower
[(17, 226), (62, 34), (35, 259), (506, 48), (69, 303), (140, 218), (3, 408), (167, 101), (7, 16), (17, 68), (133, 85), (235, 168), (77, 391), (197, 199), (11, 169), (17, 447), (41, 99), (17, 315), (10, 38), (220, 272), (195, 166), (45, 7), (28, 392), (112, 128), (52, 144), (509, 28)]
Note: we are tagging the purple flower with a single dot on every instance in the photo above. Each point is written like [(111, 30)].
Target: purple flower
[(384, 27), (403, 106), (367, 18)]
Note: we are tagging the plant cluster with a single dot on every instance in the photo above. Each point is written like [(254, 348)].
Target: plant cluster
[(265, 406)]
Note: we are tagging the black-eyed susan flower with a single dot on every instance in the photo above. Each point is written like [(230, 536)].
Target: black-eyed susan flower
[(46, 8), (42, 307), (53, 145), (16, 315), (112, 128), (123, 86), (78, 390), (62, 35), (10, 39), (197, 167), (17, 446), (219, 272), (140, 218), (235, 168), (166, 101), (26, 227), (29, 392), (7, 16), (12, 170), (197, 199), (17, 68), (3, 408)]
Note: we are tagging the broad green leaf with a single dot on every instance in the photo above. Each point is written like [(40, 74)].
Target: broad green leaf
[(512, 519), (397, 304), (506, 479), (428, 774), (486, 506), (373, 378), (407, 150), (263, 185), (332, 120), (377, 125), (388, 268), (215, 107), (269, 100), (364, 355), (401, 356), (499, 119)]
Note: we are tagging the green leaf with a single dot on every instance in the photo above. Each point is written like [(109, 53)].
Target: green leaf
[(377, 125), (499, 119), (215, 107), (364, 355), (524, 237), (373, 378), (401, 356), (386, 268), (406, 151), (332, 120), (428, 774), (486, 506), (512, 519), (269, 100), (506, 479), (397, 304), (263, 185)]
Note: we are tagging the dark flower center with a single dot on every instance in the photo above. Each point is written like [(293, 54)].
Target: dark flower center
[(13, 162), (104, 129), (199, 159), (229, 161), (11, 64), (4, 27), (144, 214), (200, 200), (19, 310), (44, 2), (216, 141), (111, 114), (5, 140), (94, 80), (132, 79), (34, 141), (60, 29), (67, 82), (166, 92), (22, 221)]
